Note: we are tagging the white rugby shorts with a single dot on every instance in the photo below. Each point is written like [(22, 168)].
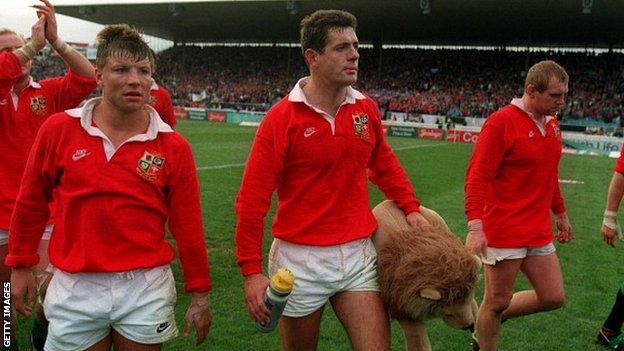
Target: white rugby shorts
[(495, 254), (322, 271), (83, 307)]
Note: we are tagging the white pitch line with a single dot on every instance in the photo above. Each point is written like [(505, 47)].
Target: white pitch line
[(234, 165), (418, 146), (231, 165)]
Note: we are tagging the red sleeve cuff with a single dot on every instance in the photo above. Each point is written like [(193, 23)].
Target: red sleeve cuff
[(201, 285), (474, 214), (558, 209), (251, 267), (25, 261), (411, 207)]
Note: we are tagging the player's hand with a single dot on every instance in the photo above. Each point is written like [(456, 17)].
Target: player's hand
[(198, 315), (476, 242), (610, 228), (417, 221), (608, 235), (255, 286), (37, 36), (23, 286), (51, 28), (564, 229)]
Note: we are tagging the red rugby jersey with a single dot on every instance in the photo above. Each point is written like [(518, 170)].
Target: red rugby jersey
[(512, 179), (18, 128), (112, 205), (160, 100), (318, 165)]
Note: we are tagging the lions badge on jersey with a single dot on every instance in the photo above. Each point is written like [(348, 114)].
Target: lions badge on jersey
[(39, 105), (360, 126), (150, 165)]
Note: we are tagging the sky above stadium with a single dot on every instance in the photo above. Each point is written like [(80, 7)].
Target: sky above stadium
[(19, 16)]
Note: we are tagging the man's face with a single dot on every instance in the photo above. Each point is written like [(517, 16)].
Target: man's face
[(550, 101), (125, 82), (10, 42), (338, 63)]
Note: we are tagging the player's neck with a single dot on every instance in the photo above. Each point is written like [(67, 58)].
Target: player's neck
[(118, 125), (528, 106), (21, 83), (328, 97)]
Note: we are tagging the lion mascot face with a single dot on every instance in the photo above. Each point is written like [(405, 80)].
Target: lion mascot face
[(424, 273)]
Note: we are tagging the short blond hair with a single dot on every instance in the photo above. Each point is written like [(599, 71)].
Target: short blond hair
[(540, 74), (121, 39)]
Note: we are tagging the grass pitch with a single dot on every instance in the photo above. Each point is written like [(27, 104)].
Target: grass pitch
[(592, 270)]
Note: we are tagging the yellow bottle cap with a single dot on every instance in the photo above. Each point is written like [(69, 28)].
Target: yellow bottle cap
[(283, 280)]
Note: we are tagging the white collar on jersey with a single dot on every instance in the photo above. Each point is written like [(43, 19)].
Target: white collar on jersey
[(518, 103), (297, 95), (85, 113)]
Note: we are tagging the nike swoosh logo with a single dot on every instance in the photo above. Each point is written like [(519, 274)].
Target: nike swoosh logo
[(161, 328), (79, 156), (3, 102), (307, 133)]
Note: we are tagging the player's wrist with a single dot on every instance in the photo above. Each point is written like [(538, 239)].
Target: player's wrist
[(61, 46), (475, 225), (29, 51)]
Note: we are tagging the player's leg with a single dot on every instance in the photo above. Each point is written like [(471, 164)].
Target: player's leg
[(544, 274), (499, 281), (123, 344), (610, 334), (365, 318), (300, 333), (358, 305), (39, 330)]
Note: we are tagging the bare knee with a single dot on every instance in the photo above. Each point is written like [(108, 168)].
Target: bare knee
[(552, 301), (497, 303)]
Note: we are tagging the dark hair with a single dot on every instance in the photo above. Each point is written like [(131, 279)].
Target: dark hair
[(539, 75), (315, 27), (121, 40)]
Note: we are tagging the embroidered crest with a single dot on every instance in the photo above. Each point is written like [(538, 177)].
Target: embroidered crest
[(360, 126), (39, 105), (557, 131), (150, 165)]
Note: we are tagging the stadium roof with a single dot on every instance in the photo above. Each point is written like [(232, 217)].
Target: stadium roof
[(580, 23)]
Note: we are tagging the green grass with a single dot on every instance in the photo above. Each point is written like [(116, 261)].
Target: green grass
[(592, 270)]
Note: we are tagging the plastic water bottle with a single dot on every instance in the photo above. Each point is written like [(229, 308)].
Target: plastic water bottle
[(276, 296)]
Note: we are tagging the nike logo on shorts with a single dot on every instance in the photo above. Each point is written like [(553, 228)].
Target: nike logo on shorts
[(162, 327)]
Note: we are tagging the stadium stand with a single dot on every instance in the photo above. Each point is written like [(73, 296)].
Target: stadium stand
[(456, 83)]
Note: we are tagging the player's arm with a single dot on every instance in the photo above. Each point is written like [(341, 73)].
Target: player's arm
[(30, 217), (260, 178), (610, 227), (74, 60), (385, 171), (482, 167), (185, 224)]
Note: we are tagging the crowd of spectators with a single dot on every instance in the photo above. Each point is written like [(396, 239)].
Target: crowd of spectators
[(456, 83)]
